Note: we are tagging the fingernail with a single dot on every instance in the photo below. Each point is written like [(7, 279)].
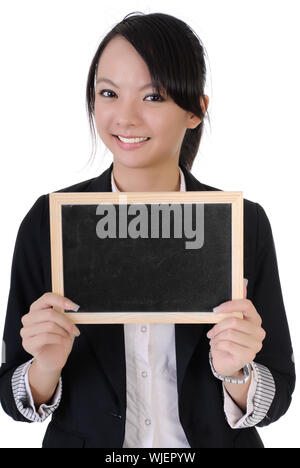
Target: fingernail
[(76, 331), (216, 309), (246, 281), (72, 306)]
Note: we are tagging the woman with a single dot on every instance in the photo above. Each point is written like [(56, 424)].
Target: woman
[(138, 385)]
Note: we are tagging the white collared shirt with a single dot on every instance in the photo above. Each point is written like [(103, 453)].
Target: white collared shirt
[(152, 418)]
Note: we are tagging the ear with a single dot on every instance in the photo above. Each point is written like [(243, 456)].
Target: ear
[(194, 121), (204, 101)]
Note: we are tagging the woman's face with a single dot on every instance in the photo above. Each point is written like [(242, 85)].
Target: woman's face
[(127, 109)]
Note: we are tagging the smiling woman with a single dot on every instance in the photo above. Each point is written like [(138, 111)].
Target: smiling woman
[(155, 95), (158, 385)]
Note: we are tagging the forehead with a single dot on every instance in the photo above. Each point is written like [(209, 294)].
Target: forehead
[(120, 60)]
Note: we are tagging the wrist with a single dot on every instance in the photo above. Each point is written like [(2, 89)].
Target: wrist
[(240, 377), (42, 382), (237, 375)]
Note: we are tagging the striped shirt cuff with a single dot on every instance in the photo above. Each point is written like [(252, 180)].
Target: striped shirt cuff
[(23, 397), (260, 396)]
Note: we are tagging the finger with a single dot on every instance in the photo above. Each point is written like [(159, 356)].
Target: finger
[(240, 305), (49, 315), (237, 337), (238, 324), (53, 300), (37, 342), (44, 327), (235, 350)]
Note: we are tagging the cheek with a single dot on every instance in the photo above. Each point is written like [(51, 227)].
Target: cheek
[(160, 120), (169, 129), (103, 126), (100, 117), (168, 120)]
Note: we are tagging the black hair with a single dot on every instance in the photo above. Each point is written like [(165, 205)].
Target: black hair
[(175, 58)]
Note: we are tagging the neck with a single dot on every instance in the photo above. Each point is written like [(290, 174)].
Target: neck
[(162, 178)]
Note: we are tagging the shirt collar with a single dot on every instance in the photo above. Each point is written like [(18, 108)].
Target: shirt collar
[(182, 182)]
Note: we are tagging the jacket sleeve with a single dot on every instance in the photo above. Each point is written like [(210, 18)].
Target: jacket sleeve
[(277, 352), (26, 286), (24, 399)]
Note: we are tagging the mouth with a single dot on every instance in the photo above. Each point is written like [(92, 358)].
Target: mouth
[(129, 145)]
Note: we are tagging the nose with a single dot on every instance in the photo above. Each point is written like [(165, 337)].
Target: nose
[(127, 113)]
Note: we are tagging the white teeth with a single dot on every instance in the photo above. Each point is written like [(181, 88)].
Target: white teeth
[(132, 140)]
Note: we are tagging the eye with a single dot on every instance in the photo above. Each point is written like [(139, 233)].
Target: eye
[(156, 95), (105, 91), (101, 93)]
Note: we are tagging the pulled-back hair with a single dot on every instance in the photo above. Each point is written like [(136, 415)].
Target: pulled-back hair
[(175, 58)]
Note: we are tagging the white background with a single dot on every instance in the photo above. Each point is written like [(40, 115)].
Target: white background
[(252, 143)]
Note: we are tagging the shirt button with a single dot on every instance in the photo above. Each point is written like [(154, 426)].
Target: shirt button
[(144, 374), (143, 328), (147, 422)]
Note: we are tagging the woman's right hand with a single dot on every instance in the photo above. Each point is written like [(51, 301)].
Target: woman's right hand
[(48, 335)]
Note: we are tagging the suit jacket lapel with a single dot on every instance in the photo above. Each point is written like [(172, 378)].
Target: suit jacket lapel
[(107, 341), (187, 336)]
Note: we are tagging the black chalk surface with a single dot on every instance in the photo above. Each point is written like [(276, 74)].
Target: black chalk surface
[(146, 274)]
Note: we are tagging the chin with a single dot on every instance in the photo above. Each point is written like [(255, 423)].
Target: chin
[(132, 162)]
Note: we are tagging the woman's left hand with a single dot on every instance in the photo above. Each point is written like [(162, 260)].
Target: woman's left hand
[(235, 342)]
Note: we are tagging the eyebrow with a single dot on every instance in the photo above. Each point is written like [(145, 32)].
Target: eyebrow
[(106, 80)]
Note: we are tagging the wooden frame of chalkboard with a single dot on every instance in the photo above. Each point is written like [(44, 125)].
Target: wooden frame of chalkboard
[(212, 272)]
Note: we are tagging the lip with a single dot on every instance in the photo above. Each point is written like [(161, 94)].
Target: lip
[(129, 146), (131, 136)]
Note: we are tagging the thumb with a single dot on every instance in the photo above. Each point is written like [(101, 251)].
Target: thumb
[(245, 288)]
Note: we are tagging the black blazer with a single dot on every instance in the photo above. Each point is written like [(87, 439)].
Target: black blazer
[(92, 410)]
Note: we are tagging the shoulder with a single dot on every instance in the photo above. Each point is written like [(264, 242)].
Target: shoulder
[(36, 220), (100, 183), (79, 187), (38, 207), (257, 227), (251, 208)]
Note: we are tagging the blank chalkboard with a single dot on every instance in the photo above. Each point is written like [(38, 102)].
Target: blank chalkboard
[(148, 257)]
